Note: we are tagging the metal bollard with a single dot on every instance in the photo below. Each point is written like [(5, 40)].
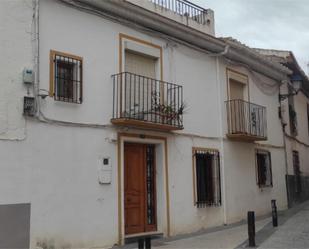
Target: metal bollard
[(148, 242), (251, 228), (140, 243), (274, 213)]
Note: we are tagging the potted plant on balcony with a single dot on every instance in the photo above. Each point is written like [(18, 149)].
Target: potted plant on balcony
[(168, 113)]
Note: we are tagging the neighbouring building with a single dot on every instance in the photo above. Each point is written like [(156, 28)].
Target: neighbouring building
[(295, 116), (120, 118)]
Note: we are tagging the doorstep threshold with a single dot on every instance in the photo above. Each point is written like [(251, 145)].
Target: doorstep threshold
[(146, 234)]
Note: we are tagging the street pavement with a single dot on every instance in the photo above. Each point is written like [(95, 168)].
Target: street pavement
[(292, 232)]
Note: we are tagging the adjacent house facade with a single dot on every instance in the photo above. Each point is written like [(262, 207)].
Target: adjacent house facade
[(121, 118), (294, 109)]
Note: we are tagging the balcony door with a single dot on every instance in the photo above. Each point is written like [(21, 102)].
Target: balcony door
[(140, 64), (237, 90), (238, 110), (139, 188), (140, 91)]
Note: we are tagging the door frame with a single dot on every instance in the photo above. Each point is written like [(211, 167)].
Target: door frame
[(244, 80), (163, 202)]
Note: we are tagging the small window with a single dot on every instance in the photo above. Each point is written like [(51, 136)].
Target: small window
[(66, 77), (264, 174), (207, 177)]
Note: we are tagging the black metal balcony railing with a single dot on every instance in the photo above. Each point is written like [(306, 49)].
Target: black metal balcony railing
[(246, 119), (184, 8), (140, 98)]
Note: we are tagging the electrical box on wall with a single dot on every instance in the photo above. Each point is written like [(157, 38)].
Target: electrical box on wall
[(28, 76), (29, 106), (105, 171)]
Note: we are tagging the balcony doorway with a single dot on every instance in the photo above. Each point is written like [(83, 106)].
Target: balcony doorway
[(140, 92)]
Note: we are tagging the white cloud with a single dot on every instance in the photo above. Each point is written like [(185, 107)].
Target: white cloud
[(274, 24)]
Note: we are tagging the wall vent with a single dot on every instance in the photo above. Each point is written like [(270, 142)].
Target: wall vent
[(29, 106)]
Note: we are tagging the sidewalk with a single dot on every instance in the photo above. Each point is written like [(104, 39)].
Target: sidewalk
[(226, 238), (292, 232)]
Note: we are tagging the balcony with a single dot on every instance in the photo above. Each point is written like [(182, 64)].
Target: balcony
[(184, 8), (181, 11), (140, 101), (246, 121)]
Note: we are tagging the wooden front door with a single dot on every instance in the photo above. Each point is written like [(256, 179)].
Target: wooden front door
[(139, 188)]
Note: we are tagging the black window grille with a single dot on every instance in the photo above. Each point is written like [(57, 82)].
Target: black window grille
[(208, 184), (264, 172), (297, 172), (184, 8), (137, 97), (150, 184), (67, 78)]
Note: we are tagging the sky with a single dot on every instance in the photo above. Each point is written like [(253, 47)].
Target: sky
[(272, 24)]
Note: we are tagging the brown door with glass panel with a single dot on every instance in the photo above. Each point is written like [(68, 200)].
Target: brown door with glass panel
[(139, 188)]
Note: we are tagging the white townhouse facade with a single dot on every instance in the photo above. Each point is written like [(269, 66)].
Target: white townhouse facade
[(120, 118), (295, 116)]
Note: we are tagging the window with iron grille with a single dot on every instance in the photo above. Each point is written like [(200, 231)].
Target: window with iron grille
[(263, 164), (207, 177), (66, 77)]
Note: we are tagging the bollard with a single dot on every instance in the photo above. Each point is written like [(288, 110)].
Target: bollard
[(148, 243), (251, 228), (140, 243), (274, 213)]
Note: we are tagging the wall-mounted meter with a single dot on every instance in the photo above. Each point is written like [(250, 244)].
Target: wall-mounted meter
[(105, 171), (28, 76)]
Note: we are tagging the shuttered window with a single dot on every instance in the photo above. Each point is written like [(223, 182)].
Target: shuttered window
[(207, 178), (263, 164)]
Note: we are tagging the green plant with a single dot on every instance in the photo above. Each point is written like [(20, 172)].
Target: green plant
[(170, 112)]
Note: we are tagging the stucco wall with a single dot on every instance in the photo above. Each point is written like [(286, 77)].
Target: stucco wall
[(242, 192), (301, 143), (16, 54), (55, 168), (300, 105)]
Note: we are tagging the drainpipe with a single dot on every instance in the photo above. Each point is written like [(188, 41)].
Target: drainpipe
[(223, 184), (284, 146), (36, 56)]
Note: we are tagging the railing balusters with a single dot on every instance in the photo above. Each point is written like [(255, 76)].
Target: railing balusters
[(183, 7), (245, 118), (146, 99)]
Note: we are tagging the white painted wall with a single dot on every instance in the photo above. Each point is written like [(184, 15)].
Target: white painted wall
[(55, 168), (16, 54), (300, 105), (206, 23), (243, 193), (301, 144)]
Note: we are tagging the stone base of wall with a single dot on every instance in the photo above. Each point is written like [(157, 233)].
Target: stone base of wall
[(15, 226), (298, 189)]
